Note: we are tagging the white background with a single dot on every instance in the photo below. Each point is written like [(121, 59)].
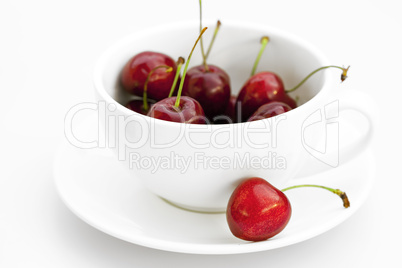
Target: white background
[(47, 53)]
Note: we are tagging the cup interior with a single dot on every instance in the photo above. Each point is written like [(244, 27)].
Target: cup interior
[(235, 50)]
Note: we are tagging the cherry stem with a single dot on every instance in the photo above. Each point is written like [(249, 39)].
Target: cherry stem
[(218, 25), (204, 58), (180, 62), (177, 103), (264, 42), (145, 95), (338, 192), (343, 75)]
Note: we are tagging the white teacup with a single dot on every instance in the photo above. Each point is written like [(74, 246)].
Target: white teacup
[(198, 166)]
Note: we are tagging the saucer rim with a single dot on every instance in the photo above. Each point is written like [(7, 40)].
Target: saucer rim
[(194, 248)]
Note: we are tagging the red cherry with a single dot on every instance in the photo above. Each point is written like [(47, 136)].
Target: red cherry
[(211, 88), (269, 110), (231, 108), (188, 111), (136, 70), (259, 89), (257, 210), (265, 87), (181, 109), (208, 84), (229, 116)]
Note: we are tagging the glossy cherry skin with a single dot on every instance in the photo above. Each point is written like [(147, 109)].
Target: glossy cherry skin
[(231, 108), (136, 70), (210, 88), (189, 111), (229, 116), (259, 89), (257, 210), (137, 105), (269, 109)]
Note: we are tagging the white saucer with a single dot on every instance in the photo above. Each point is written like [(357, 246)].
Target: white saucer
[(97, 188)]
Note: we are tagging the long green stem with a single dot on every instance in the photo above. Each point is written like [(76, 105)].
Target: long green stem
[(264, 42), (204, 59), (343, 75), (145, 94), (180, 63), (338, 192), (218, 25), (177, 103)]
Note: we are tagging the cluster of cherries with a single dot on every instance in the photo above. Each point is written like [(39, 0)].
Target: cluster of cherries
[(204, 93), (256, 210)]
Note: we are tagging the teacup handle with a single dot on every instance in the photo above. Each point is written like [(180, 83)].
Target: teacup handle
[(335, 153)]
